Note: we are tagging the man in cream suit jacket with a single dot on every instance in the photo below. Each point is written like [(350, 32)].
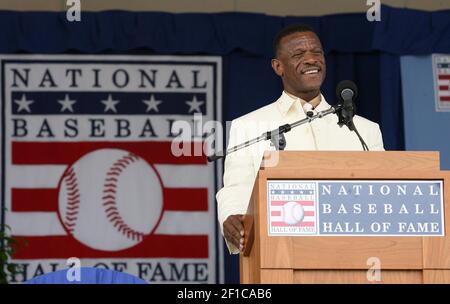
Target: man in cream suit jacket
[(299, 61)]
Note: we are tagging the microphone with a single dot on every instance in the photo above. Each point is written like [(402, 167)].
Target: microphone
[(346, 92), (308, 108)]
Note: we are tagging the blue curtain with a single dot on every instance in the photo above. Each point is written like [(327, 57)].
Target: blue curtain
[(87, 275), (365, 52)]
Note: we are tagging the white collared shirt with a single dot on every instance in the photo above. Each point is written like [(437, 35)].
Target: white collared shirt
[(321, 134)]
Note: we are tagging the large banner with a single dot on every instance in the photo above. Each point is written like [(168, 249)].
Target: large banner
[(88, 168), (426, 104)]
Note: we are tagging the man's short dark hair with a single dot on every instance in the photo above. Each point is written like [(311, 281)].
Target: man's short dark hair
[(286, 31)]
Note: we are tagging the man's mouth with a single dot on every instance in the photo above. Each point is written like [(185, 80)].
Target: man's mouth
[(311, 71)]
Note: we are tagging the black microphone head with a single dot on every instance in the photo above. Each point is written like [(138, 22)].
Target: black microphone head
[(346, 92), (346, 89)]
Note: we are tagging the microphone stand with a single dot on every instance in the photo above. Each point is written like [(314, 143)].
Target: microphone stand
[(276, 136), (345, 115)]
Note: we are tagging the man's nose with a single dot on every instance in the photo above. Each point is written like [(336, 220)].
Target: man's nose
[(310, 58)]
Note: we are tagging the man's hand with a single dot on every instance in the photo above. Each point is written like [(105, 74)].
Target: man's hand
[(233, 230)]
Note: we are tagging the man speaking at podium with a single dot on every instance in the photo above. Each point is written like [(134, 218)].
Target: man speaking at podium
[(300, 62)]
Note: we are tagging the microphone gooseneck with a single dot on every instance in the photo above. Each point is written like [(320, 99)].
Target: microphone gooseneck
[(346, 92), (275, 136), (345, 109)]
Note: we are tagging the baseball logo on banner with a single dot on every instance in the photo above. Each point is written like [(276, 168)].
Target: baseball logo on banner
[(292, 208), (88, 168)]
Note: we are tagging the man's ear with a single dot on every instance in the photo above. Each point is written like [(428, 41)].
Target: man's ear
[(277, 67)]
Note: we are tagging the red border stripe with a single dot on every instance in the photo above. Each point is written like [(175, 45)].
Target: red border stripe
[(444, 98), (44, 200), (153, 246), (282, 203), (444, 77), (444, 88), (35, 153), (186, 199), (301, 224), (175, 199), (278, 213)]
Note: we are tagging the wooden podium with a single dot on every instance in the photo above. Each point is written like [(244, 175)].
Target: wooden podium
[(343, 259)]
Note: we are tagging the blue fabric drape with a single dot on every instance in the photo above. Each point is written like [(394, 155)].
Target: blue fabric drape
[(401, 31), (365, 52), (87, 275), (412, 32)]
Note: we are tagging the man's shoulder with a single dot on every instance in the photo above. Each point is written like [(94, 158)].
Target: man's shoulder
[(365, 122), (365, 125)]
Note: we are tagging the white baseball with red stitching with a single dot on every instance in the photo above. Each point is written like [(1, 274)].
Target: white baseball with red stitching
[(110, 199), (293, 213)]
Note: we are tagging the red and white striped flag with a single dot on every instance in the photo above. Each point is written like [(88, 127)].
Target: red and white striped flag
[(442, 78)]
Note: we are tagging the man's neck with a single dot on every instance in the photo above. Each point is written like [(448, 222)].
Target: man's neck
[(314, 101)]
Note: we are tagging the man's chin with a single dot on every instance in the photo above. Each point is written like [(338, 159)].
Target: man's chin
[(311, 88), (310, 84)]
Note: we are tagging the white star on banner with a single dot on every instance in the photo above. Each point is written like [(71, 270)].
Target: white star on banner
[(110, 104), (194, 104), (67, 103), (152, 103), (24, 104)]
